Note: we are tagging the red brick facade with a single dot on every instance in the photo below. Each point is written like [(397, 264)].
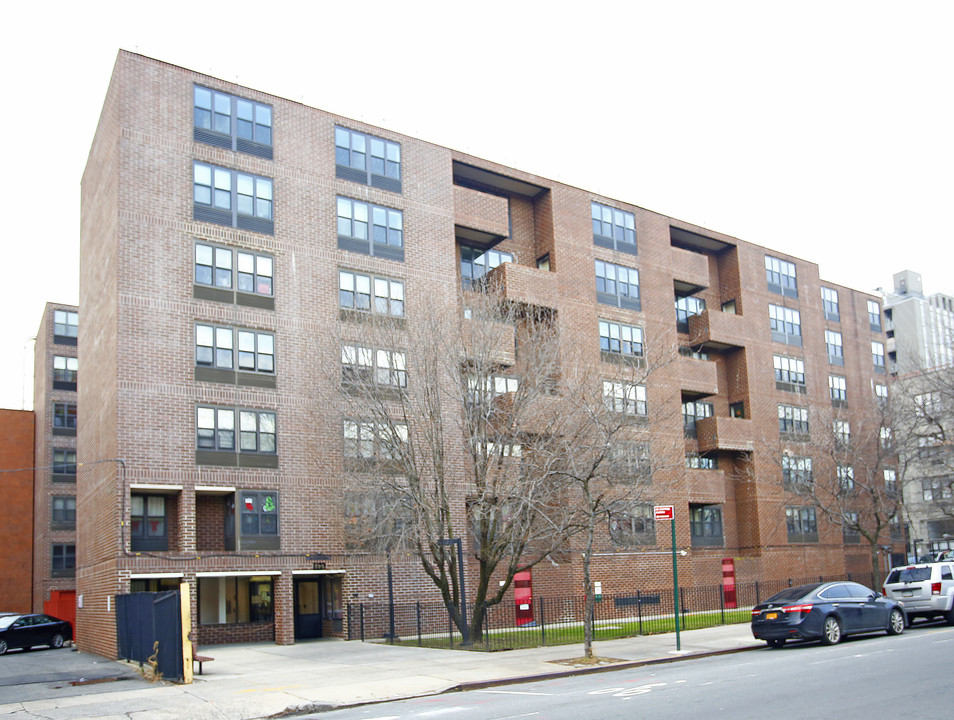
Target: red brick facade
[(16, 525), (141, 304)]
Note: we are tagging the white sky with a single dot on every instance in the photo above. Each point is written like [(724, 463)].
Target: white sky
[(820, 129)]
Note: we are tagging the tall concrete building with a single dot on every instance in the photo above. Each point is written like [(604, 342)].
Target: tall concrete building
[(920, 327), (226, 232), (54, 459)]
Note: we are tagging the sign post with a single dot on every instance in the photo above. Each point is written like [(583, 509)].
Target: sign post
[(663, 512)]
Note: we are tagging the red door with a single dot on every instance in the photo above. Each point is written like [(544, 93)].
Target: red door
[(523, 597)]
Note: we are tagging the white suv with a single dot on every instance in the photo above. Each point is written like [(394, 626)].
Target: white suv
[(924, 589)]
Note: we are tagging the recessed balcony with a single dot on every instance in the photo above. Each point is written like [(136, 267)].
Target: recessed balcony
[(690, 271), (524, 285), (725, 433), (697, 377), (718, 330)]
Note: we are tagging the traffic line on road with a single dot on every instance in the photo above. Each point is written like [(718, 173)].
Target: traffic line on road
[(514, 692)]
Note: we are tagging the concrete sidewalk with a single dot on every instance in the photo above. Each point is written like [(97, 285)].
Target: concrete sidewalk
[(258, 680)]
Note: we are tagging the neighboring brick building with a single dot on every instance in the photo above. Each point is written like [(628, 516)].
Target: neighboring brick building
[(54, 404), (16, 512), (216, 218)]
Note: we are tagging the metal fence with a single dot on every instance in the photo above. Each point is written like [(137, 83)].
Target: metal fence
[(559, 621)]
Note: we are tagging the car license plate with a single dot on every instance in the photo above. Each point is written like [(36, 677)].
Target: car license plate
[(771, 616), (907, 593)]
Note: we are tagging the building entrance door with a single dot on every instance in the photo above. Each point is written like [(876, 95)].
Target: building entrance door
[(307, 608)]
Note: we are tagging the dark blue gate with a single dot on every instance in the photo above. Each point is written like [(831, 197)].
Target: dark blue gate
[(144, 619)]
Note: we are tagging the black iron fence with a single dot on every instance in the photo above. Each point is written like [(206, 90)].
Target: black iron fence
[(559, 621)]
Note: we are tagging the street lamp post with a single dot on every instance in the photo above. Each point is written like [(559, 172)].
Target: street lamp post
[(465, 632)]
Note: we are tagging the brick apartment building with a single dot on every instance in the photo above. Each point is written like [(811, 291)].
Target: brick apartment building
[(16, 513), (225, 232), (54, 404)]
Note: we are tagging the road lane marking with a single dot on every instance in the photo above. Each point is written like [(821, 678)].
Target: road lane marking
[(514, 692), (443, 711)]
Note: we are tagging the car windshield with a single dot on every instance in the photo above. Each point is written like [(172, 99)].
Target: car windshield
[(910, 574), (7, 620), (791, 594)]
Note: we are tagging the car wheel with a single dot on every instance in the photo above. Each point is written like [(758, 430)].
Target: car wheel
[(3, 647), (57, 641), (831, 631), (776, 643), (896, 622)]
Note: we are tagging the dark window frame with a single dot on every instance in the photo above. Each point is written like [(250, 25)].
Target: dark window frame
[(209, 194), (143, 533), (253, 136), (63, 560), (613, 228), (369, 236), (368, 159), (705, 525), (615, 285), (781, 276)]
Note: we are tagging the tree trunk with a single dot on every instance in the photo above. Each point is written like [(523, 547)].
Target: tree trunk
[(590, 603)]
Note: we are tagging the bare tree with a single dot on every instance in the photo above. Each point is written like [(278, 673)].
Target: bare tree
[(441, 419), (600, 453), (846, 471)]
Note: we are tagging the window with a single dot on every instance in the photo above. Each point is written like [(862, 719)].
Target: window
[(147, 523), (786, 325), (369, 294), (229, 348), (877, 356), (874, 316), (64, 465), (63, 511), (797, 472), (475, 263), (482, 390), (849, 528), (836, 353), (65, 327), (937, 489), (367, 159), (780, 275), (693, 353), (793, 420), (801, 524), (375, 521), (695, 461), (64, 372), (232, 122), (927, 405), (370, 229), (373, 441), (629, 462), (614, 229), (624, 398), (63, 560), (692, 412), (881, 393), (705, 525), (215, 431), (232, 198), (686, 307), (789, 373), (830, 304), (363, 365), (620, 341), (64, 418), (634, 526), (845, 474), (259, 516), (841, 430), (240, 270), (838, 390), (233, 600), (890, 481), (617, 285)]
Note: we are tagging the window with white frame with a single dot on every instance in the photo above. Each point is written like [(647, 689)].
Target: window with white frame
[(65, 325), (229, 197), (624, 398), (686, 307), (927, 405), (370, 229), (841, 431), (789, 373), (845, 474), (365, 366), (476, 262), (874, 316), (797, 472), (833, 344), (242, 270), (881, 393), (830, 304), (793, 420), (65, 370), (786, 325), (367, 159), (890, 481), (621, 339), (614, 229), (617, 285), (228, 348), (371, 294), (838, 389), (877, 356), (231, 122), (780, 275)]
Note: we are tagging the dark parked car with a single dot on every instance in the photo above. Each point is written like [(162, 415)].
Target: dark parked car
[(26, 631), (825, 611)]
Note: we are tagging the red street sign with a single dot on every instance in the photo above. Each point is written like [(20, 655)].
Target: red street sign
[(663, 512)]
